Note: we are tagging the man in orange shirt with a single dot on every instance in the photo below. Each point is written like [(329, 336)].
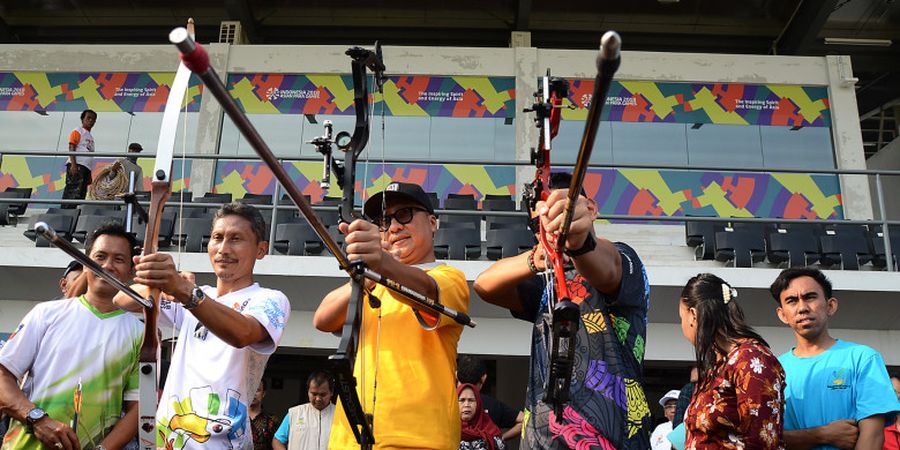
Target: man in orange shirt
[(78, 169)]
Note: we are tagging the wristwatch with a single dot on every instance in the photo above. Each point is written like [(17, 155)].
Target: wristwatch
[(33, 416), (589, 245), (196, 299)]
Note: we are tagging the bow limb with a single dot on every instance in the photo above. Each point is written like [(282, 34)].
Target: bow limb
[(161, 189), (344, 359)]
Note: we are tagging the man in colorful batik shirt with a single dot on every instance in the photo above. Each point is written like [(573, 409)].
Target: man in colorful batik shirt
[(607, 407), (80, 355)]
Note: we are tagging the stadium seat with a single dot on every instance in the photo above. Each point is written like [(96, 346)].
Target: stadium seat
[(849, 250), (87, 223), (328, 218), (797, 249), (702, 237), (180, 196), (166, 231), (457, 243), (73, 213), (256, 199), (878, 254), (336, 235), (464, 202), (192, 234), (741, 247), (501, 204), (297, 239), (62, 224), (98, 210), (504, 243), (460, 221), (435, 201), (18, 208), (214, 197)]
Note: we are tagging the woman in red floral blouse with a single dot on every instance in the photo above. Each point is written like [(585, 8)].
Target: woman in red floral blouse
[(739, 399)]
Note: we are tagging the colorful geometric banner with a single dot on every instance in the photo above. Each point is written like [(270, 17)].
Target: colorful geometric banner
[(617, 191), (102, 92), (420, 95), (731, 103), (46, 175)]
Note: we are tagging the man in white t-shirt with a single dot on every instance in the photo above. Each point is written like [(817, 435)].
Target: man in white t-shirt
[(76, 347), (659, 438), (308, 426), (225, 335), (78, 169)]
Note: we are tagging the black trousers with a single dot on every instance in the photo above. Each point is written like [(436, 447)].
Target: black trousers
[(76, 185)]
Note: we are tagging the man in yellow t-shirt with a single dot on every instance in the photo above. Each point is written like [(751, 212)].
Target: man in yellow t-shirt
[(400, 346)]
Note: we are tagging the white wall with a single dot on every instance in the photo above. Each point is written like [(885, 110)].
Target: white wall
[(888, 158)]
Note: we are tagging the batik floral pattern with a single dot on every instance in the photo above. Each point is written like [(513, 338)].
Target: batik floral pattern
[(741, 406)]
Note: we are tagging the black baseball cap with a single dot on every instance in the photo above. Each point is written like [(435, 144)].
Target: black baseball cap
[(73, 265), (397, 191)]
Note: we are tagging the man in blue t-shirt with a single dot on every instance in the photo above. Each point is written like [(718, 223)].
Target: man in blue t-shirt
[(838, 393)]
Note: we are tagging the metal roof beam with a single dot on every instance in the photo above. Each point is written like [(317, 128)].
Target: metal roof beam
[(804, 26), (240, 10)]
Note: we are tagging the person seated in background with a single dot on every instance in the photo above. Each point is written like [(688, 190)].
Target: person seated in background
[(479, 432), (72, 272), (473, 371), (659, 438)]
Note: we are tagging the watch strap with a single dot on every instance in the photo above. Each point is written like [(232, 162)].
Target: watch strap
[(197, 297), (589, 245)]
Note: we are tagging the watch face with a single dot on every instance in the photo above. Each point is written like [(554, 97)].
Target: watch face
[(36, 413)]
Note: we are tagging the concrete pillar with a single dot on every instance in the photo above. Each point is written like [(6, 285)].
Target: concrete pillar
[(847, 137), (526, 73), (209, 125), (520, 39)]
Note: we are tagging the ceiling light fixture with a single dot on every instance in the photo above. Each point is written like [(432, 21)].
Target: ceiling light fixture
[(859, 42)]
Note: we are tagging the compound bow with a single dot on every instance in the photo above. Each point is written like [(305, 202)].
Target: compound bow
[(565, 314)]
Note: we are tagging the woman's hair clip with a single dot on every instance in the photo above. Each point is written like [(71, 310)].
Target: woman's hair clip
[(728, 293)]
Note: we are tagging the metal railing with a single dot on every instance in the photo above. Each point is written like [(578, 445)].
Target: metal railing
[(275, 207)]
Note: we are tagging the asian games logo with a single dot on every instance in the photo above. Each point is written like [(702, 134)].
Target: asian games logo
[(272, 94)]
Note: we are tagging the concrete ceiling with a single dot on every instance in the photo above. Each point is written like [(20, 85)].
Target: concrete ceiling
[(795, 27)]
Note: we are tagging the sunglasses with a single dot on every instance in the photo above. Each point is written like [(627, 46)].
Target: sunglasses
[(403, 216)]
